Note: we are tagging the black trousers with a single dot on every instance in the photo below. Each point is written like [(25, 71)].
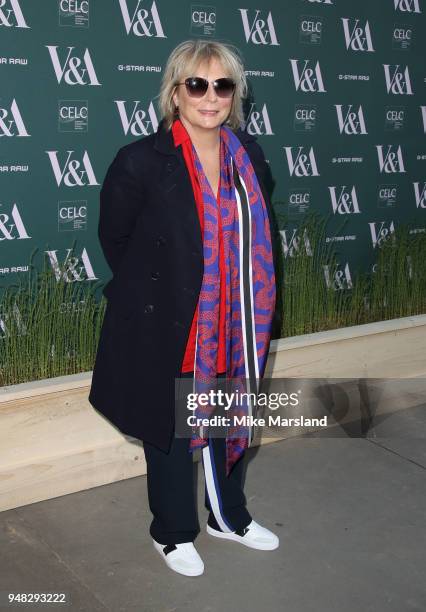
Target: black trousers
[(172, 495)]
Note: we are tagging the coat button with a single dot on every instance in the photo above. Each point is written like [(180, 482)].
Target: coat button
[(161, 240), (148, 308), (155, 275)]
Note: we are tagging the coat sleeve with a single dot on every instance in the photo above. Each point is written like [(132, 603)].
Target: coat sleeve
[(120, 204)]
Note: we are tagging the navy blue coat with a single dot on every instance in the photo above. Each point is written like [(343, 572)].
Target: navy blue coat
[(150, 235)]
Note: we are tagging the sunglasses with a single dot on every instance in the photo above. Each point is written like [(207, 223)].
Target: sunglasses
[(197, 87)]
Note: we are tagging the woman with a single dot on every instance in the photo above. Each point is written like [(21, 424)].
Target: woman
[(184, 227)]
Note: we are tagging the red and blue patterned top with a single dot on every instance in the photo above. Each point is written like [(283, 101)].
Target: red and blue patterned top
[(181, 137)]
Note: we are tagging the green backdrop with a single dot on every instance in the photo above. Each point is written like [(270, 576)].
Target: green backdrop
[(337, 100)]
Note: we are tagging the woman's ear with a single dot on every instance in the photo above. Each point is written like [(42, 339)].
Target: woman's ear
[(175, 99)]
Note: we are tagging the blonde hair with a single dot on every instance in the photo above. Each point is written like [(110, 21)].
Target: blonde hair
[(184, 60)]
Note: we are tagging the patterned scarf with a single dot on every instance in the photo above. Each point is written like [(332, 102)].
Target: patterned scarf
[(250, 290)]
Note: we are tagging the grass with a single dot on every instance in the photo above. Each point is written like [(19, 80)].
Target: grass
[(50, 327), (396, 288)]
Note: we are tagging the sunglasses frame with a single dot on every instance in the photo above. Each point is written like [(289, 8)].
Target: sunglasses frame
[(191, 92)]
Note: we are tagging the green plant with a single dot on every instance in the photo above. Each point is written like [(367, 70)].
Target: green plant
[(396, 288), (49, 327), (399, 286)]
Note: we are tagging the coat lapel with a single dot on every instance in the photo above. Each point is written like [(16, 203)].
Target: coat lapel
[(175, 187)]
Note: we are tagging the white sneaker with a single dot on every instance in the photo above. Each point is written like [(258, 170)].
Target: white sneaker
[(182, 558), (254, 536)]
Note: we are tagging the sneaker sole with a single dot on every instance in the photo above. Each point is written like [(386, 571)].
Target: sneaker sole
[(237, 538)]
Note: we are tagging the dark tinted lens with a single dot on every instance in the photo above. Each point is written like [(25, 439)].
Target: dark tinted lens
[(224, 87), (196, 86)]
